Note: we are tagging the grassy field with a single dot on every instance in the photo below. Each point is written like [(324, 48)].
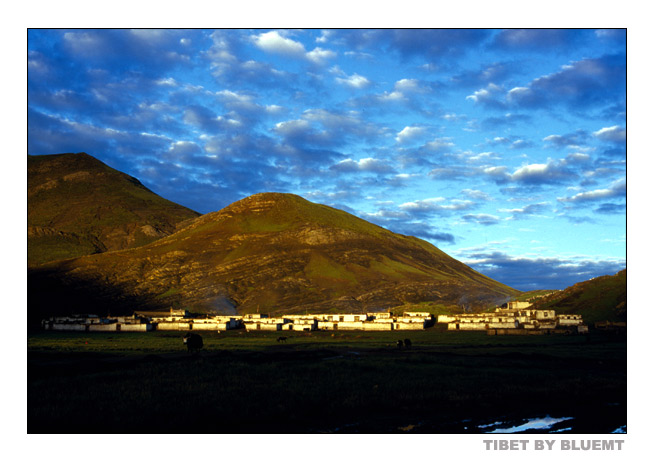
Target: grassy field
[(322, 382)]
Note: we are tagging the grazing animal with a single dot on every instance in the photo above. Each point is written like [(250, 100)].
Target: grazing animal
[(399, 344), (194, 342), (407, 343), (281, 339)]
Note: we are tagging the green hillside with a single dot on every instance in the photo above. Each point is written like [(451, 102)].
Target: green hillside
[(77, 205), (272, 253), (599, 299)]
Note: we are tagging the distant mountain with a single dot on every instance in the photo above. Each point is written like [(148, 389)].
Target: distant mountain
[(272, 253), (599, 299), (77, 205)]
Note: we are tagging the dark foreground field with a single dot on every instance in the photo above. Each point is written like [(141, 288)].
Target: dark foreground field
[(346, 382)]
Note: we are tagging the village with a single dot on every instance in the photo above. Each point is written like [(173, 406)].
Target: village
[(516, 318)]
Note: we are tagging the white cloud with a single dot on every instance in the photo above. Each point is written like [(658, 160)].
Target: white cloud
[(482, 219), (273, 42), (578, 157), (319, 55), (518, 92), (611, 134), (495, 171), (553, 138), (476, 194), (82, 42), (166, 82), (407, 85), (617, 189), (391, 97), (530, 170), (440, 144), (482, 156), (364, 164), (149, 34), (354, 81), (274, 109), (543, 173), (409, 133), (485, 95), (183, 148), (325, 35), (435, 205), (231, 96), (291, 127)]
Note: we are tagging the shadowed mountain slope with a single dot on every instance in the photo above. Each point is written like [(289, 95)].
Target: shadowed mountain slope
[(274, 253), (77, 205)]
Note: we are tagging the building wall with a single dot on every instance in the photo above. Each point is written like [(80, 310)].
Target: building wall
[(206, 326), (507, 325), (353, 326), (467, 326), (382, 315), (517, 331), (373, 326), (173, 326), (68, 327), (253, 316), (412, 319), (515, 305), (258, 326), (136, 327), (445, 318), (103, 327), (569, 320), (544, 314), (407, 326)]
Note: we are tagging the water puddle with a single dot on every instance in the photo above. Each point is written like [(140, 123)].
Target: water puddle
[(490, 425), (531, 424)]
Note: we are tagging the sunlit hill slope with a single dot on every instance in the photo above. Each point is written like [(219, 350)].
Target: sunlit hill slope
[(600, 299), (271, 253), (77, 205)]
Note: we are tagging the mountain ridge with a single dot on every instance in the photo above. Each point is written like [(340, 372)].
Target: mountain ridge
[(78, 205), (271, 252), (603, 298)]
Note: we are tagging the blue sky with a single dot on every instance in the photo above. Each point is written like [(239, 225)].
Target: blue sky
[(504, 148)]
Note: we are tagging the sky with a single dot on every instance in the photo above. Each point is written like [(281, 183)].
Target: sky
[(506, 149)]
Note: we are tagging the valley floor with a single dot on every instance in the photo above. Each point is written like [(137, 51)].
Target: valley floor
[(324, 382)]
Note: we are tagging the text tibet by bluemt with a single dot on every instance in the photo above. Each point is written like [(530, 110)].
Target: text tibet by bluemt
[(544, 444)]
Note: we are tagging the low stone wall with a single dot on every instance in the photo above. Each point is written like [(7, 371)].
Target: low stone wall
[(518, 331), (266, 326), (408, 326), (445, 319), (103, 327), (377, 326), (507, 325), (467, 326), (173, 326), (205, 326), (68, 327), (144, 327)]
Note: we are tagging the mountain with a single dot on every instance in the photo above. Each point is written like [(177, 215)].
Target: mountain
[(272, 253), (77, 205), (599, 299)]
